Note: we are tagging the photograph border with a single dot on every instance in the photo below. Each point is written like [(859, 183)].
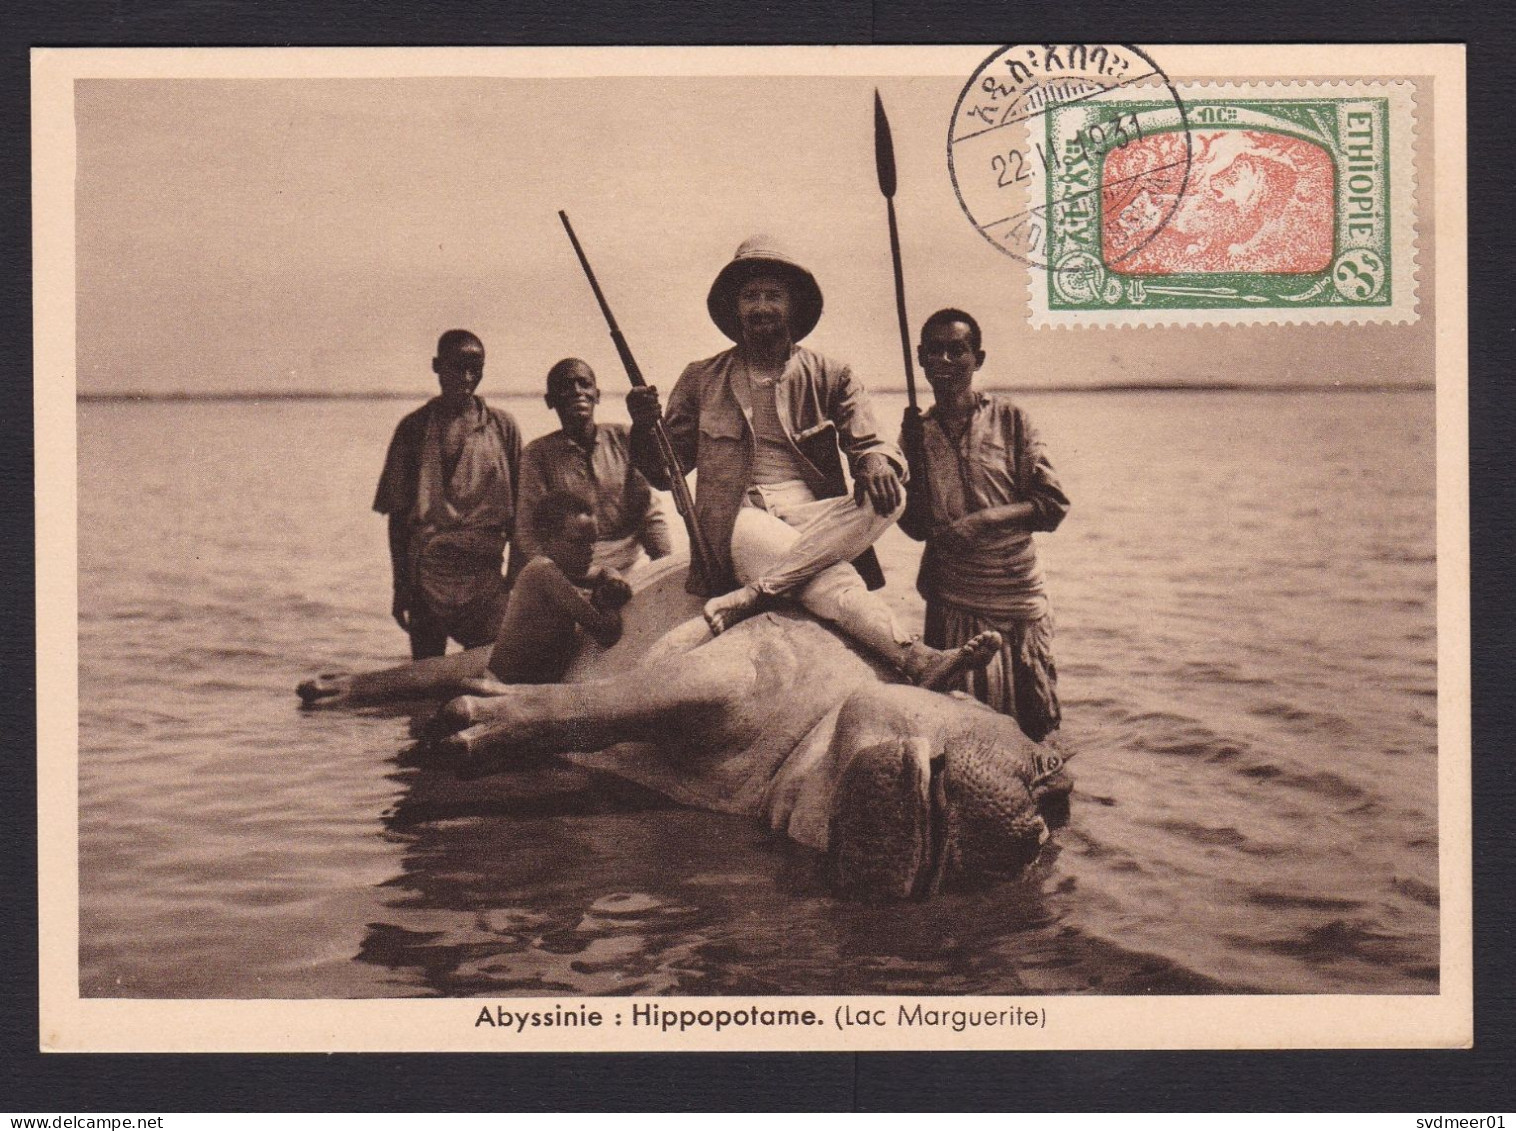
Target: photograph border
[(967, 1072)]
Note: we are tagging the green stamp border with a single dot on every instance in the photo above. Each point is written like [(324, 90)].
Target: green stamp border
[(1108, 290)]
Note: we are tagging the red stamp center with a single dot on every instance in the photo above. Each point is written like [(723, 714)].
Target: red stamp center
[(1255, 202)]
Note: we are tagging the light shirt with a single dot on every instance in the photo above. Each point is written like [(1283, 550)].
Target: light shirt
[(774, 457), (625, 506)]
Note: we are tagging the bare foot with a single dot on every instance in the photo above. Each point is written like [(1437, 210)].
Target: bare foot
[(934, 670), (324, 686), (724, 611)]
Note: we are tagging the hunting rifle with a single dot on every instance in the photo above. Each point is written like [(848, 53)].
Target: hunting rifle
[(702, 560)]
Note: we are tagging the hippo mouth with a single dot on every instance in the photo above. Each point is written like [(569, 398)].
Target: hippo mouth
[(903, 825), (888, 829), (930, 879)]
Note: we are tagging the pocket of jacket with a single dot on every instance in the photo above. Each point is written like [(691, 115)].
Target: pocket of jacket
[(720, 427)]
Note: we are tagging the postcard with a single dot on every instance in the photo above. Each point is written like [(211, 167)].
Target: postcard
[(807, 548)]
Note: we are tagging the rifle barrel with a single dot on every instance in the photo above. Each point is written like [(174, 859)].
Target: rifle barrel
[(702, 559)]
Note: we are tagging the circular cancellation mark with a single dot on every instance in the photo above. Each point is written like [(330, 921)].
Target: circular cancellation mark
[(1048, 137)]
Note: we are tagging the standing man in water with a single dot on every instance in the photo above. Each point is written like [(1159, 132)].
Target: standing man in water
[(449, 489), (593, 461), (981, 484), (761, 424)]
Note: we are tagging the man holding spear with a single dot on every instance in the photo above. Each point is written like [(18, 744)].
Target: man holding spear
[(980, 485)]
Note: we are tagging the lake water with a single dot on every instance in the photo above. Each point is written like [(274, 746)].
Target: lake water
[(1245, 596)]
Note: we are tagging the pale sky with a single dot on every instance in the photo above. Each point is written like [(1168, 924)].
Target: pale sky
[(318, 234)]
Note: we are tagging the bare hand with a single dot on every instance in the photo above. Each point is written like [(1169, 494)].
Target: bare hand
[(877, 478), (612, 593), (642, 403), (400, 610)]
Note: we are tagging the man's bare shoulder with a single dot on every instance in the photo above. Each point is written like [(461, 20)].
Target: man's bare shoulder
[(541, 572)]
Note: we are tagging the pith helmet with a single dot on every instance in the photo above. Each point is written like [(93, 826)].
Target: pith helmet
[(764, 254)]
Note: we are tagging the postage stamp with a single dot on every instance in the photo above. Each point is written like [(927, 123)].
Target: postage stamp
[(1279, 202), (278, 291), (1143, 202)]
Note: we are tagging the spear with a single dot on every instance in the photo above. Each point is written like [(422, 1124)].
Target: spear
[(884, 161), (702, 560)]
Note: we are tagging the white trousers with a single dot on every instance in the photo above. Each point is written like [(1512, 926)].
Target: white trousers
[(795, 543)]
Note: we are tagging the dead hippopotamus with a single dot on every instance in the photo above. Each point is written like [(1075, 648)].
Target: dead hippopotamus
[(778, 718)]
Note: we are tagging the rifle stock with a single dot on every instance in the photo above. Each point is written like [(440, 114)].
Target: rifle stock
[(702, 560)]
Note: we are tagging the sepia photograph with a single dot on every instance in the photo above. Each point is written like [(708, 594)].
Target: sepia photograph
[(752, 548)]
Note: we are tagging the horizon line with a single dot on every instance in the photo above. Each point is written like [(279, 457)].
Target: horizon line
[(1096, 387)]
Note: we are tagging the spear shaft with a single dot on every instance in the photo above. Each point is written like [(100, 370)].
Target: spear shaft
[(884, 162)]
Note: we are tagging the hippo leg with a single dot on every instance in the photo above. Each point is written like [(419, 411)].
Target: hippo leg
[(421, 679), (643, 705)]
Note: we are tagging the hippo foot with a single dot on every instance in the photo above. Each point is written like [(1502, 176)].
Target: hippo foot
[(722, 612), (328, 685), (937, 670), (453, 716), (485, 685)]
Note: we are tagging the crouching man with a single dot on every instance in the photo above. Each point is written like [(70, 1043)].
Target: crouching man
[(559, 597)]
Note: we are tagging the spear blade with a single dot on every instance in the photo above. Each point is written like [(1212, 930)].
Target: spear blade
[(884, 150), (884, 159)]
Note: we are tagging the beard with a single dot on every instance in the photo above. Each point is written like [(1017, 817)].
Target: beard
[(768, 333)]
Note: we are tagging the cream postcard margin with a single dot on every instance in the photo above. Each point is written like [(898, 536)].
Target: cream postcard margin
[(69, 1023)]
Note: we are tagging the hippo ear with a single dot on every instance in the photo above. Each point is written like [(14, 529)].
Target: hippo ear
[(880, 834)]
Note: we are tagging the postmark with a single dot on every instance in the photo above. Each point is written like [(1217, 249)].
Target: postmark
[(1297, 207), (1016, 187)]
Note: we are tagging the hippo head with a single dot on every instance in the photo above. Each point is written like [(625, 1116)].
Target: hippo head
[(969, 805)]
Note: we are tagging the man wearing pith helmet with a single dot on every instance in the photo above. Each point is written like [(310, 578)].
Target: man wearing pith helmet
[(767, 424)]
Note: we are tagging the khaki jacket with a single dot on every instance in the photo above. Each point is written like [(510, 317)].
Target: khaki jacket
[(824, 411)]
